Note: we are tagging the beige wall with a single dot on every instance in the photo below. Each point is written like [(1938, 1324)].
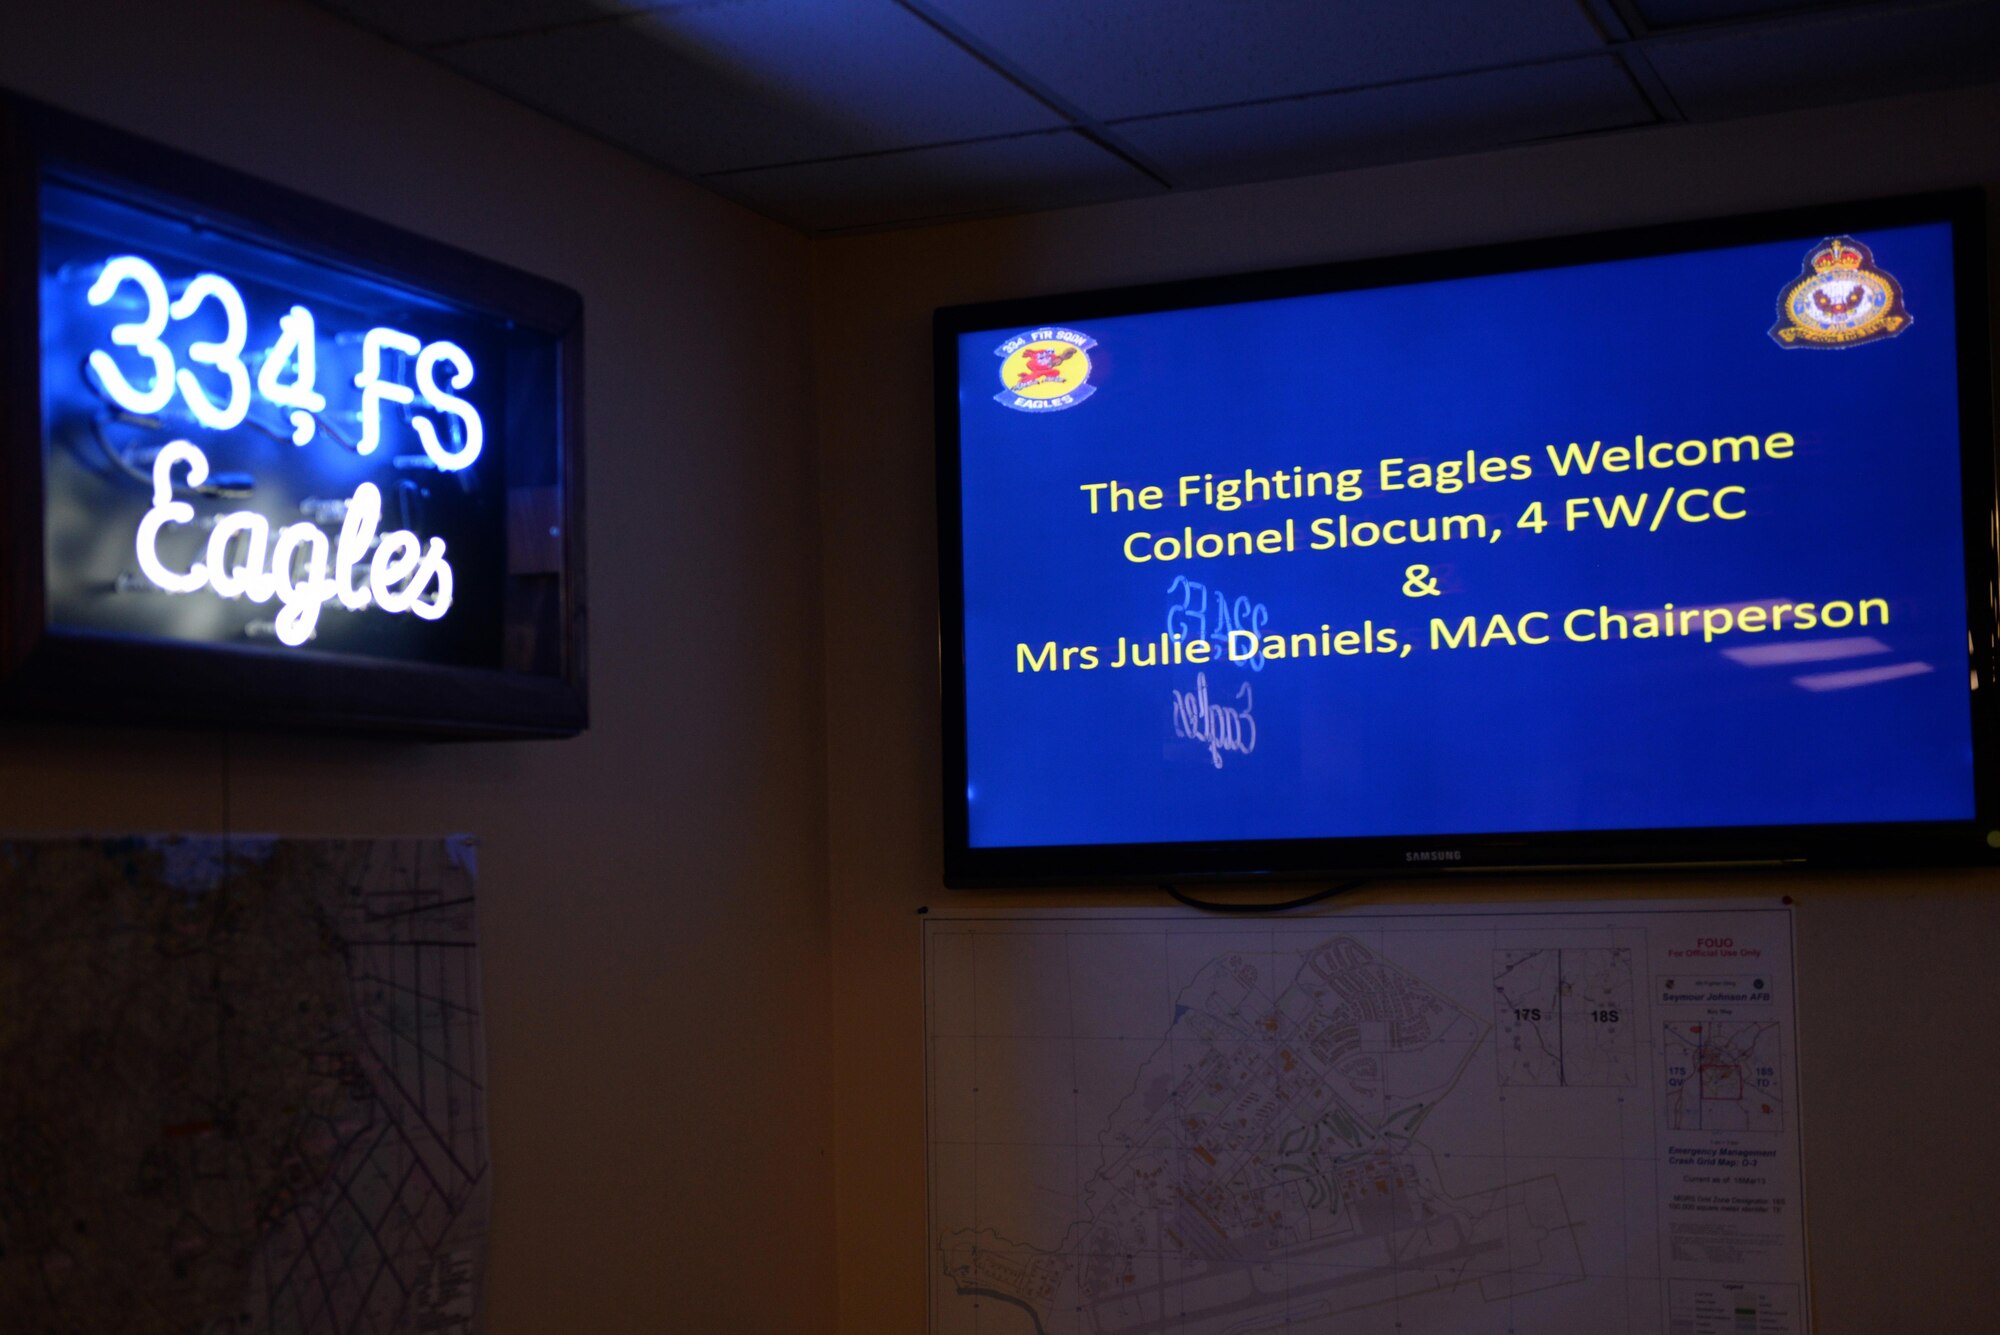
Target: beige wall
[(1897, 1005), (654, 910)]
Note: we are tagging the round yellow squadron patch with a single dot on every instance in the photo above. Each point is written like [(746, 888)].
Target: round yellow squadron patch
[(1045, 370)]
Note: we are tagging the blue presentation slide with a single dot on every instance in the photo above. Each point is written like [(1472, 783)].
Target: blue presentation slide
[(1670, 542)]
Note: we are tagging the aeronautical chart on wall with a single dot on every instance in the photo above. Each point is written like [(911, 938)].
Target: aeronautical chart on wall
[(1481, 1120), (245, 1088)]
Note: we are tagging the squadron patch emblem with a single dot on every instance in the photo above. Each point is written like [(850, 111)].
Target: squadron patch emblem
[(1839, 300), (1045, 370)]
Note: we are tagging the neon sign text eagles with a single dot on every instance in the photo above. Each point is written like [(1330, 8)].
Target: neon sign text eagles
[(400, 572), (402, 379)]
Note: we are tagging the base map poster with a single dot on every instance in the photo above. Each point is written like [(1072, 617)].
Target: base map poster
[(1470, 1120), (241, 1087)]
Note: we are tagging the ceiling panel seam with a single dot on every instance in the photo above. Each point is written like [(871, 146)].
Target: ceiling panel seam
[(1615, 21), (1540, 62), (1628, 21), (1639, 69), (1787, 21), (463, 39), (865, 154), (1080, 120)]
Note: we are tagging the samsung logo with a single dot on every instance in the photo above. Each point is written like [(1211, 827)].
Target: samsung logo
[(1433, 855)]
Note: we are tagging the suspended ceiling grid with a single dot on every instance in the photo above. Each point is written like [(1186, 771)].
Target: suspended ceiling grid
[(843, 115)]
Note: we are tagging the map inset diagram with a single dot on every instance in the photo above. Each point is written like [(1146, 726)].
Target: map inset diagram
[(1268, 1170), (244, 1090), (1723, 1076), (1565, 1017)]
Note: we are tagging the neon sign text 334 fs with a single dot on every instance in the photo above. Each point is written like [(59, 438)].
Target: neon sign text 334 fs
[(243, 557)]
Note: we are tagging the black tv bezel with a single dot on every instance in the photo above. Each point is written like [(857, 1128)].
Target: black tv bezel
[(1973, 842), (48, 672)]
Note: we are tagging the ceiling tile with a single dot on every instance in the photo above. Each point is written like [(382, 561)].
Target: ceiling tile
[(423, 22), (720, 87), (1434, 118), (1835, 58), (1684, 13), (1038, 171), (1117, 60)]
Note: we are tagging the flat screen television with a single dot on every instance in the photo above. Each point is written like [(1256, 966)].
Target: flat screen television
[(1668, 546)]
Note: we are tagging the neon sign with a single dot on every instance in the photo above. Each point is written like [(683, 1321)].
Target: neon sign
[(274, 430), (402, 569)]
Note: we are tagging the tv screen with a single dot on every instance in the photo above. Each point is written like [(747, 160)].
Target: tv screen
[(1661, 546)]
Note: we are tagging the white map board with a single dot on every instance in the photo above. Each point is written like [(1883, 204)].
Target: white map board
[(1490, 1119)]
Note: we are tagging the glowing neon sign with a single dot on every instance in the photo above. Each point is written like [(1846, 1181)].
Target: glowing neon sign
[(203, 378), (295, 466), (302, 569)]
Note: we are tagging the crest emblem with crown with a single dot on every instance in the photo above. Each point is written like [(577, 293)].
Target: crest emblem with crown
[(1840, 299)]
